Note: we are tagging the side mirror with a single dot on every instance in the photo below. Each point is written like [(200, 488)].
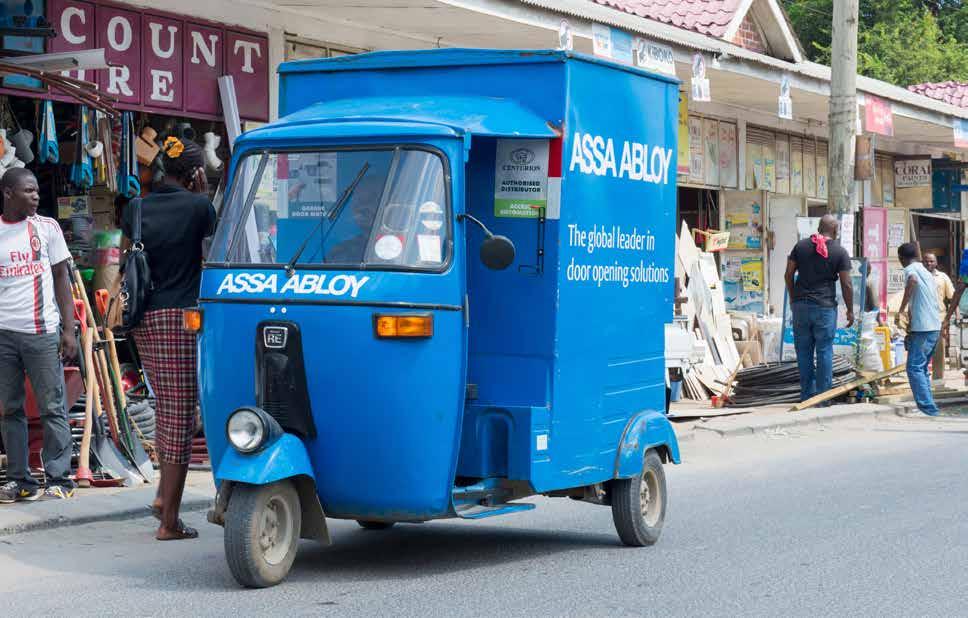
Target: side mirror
[(497, 252)]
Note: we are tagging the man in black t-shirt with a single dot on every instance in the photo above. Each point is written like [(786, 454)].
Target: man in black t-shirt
[(813, 268)]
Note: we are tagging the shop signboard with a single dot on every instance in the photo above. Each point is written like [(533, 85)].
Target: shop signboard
[(878, 116), (683, 154), (700, 83), (521, 178), (875, 244), (165, 63), (912, 173), (785, 101), (961, 133), (654, 57)]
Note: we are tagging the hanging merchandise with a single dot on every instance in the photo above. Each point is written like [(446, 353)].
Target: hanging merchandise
[(212, 162), (21, 139), (82, 172), (128, 183), (48, 150), (9, 152), (109, 163)]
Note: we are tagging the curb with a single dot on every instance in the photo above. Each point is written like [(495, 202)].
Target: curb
[(754, 426), (188, 506)]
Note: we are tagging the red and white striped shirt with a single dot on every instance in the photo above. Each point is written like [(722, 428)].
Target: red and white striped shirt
[(28, 250)]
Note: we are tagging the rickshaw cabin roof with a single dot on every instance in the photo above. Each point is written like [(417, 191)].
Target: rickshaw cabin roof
[(408, 60), (430, 115)]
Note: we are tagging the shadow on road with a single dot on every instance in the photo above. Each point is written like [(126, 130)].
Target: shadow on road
[(415, 551), (407, 552)]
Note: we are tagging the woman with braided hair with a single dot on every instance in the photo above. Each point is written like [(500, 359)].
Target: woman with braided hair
[(175, 218)]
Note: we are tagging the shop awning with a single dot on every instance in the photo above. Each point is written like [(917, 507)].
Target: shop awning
[(473, 115)]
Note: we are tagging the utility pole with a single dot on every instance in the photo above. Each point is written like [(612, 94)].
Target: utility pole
[(841, 189)]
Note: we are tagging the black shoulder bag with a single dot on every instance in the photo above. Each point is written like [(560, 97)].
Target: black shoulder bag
[(135, 275)]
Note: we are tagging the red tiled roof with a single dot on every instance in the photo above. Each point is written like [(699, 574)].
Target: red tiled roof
[(710, 17), (954, 93)]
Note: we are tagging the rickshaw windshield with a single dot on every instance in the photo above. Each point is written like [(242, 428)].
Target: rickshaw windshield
[(366, 209)]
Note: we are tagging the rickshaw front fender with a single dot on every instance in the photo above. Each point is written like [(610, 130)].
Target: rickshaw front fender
[(286, 458), (647, 430)]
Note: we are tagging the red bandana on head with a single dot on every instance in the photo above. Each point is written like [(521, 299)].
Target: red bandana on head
[(821, 242)]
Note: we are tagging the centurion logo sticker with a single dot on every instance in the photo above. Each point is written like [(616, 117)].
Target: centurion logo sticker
[(302, 284), (594, 154)]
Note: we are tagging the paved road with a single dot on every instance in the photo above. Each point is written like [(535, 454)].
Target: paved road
[(862, 521)]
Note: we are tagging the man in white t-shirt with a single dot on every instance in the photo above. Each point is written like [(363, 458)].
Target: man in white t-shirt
[(36, 331)]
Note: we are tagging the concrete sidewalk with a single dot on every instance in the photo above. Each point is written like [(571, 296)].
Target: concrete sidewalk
[(746, 422), (99, 504), (699, 418)]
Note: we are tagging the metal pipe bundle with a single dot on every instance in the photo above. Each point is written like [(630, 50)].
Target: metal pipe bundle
[(780, 383)]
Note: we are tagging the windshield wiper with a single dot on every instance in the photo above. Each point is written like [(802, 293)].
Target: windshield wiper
[(332, 217)]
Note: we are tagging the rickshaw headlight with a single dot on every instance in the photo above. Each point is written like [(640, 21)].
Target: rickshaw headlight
[(247, 430)]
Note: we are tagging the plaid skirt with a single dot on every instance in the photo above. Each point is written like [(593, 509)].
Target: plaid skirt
[(169, 357)]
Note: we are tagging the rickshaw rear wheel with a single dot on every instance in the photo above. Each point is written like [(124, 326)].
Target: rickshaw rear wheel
[(262, 528), (375, 525), (639, 504)]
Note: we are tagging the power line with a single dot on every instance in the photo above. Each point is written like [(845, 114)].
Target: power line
[(809, 9)]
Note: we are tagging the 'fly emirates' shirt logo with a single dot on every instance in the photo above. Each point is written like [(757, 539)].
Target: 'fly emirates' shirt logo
[(22, 264)]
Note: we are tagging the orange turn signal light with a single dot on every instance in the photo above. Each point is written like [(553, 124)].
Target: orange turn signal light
[(192, 320), (403, 326)]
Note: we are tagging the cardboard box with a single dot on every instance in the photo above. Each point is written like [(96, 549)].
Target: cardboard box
[(99, 201)]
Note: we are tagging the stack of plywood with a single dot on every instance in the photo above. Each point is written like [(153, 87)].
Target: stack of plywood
[(705, 311)]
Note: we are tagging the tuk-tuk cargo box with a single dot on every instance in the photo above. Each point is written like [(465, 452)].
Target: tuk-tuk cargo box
[(551, 371)]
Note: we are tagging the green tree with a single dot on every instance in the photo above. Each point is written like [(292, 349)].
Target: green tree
[(899, 41)]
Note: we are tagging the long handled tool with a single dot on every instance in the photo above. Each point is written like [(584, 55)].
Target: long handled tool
[(112, 462), (101, 366), (94, 443), (83, 475), (134, 444)]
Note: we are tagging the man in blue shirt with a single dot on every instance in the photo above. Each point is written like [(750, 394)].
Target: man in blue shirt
[(921, 292)]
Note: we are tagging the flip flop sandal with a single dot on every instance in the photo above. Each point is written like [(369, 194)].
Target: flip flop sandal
[(182, 533), (156, 513)]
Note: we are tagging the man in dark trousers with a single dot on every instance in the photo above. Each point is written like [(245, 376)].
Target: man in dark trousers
[(36, 331), (814, 266)]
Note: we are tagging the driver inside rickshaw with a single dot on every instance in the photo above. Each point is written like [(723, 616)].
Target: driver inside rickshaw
[(363, 207)]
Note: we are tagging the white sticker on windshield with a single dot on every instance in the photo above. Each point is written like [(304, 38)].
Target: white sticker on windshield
[(388, 247), (430, 250), (432, 216)]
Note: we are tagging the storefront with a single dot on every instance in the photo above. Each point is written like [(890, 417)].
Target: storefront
[(163, 80), (164, 74)]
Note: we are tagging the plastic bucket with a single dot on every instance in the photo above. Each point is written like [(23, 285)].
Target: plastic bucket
[(675, 386)]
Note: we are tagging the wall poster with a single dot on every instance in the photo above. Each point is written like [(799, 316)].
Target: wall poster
[(697, 157), (782, 164), (711, 150), (728, 167)]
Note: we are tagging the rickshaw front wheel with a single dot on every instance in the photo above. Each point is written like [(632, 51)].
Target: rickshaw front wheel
[(374, 525), (639, 504), (262, 528)]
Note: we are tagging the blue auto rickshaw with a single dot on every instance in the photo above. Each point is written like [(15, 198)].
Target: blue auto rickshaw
[(439, 286)]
